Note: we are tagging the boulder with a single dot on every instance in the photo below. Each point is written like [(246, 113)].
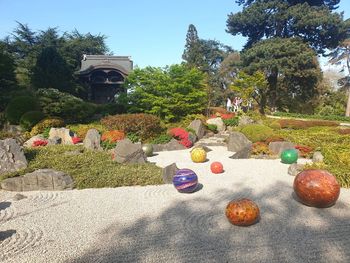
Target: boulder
[(245, 120), (54, 141), (198, 128), (173, 145), (218, 122), (317, 157), (63, 133), (29, 143), (11, 156), (92, 140), (278, 147), (192, 138), (128, 152), (18, 197), (237, 141), (42, 179), (168, 173), (295, 168), (243, 153)]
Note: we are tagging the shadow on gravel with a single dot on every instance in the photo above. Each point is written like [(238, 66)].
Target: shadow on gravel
[(4, 205), (197, 231), (6, 234)]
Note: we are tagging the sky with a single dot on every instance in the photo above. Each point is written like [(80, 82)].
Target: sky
[(152, 32)]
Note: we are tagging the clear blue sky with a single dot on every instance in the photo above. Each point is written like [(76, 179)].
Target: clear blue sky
[(152, 32)]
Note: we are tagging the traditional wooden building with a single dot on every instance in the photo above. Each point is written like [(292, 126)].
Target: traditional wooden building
[(104, 76)]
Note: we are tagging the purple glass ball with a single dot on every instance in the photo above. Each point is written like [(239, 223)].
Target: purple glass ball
[(185, 180)]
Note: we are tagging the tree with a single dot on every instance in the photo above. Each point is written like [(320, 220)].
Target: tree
[(290, 67), (170, 93), (192, 53), (313, 21)]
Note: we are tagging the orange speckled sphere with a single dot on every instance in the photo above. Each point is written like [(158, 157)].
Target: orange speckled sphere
[(242, 212), (317, 188), (216, 167)]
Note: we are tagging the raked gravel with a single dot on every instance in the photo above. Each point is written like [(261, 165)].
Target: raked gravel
[(158, 224)]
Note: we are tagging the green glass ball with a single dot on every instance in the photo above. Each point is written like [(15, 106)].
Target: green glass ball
[(147, 149), (289, 156)]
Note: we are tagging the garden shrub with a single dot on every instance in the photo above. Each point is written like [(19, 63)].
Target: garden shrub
[(257, 132), (146, 126), (186, 121), (299, 124), (319, 117), (113, 136), (46, 125), (275, 125), (212, 127), (81, 129), (18, 106), (231, 121), (30, 118), (181, 135), (133, 137), (110, 109), (274, 138), (214, 110), (162, 139), (304, 151), (344, 131), (259, 148)]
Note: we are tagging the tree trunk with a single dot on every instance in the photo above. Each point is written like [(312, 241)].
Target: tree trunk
[(272, 79), (262, 104), (347, 112)]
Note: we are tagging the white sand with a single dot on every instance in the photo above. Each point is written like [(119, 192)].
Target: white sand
[(158, 224)]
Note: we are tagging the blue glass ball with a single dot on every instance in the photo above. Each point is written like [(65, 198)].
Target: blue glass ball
[(185, 180)]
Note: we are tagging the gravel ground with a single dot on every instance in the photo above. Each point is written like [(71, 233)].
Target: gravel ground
[(158, 224)]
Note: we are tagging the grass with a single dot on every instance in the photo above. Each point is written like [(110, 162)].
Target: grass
[(334, 146), (89, 169)]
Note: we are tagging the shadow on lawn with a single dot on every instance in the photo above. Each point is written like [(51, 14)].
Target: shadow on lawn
[(197, 231)]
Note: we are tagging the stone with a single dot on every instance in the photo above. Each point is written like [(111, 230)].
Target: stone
[(295, 169), (18, 197), (205, 148), (11, 156), (173, 145), (317, 157), (92, 140), (192, 138), (42, 179), (218, 122), (245, 120), (29, 143), (128, 152), (54, 141), (243, 153), (278, 147), (237, 141), (63, 133), (198, 128), (168, 173)]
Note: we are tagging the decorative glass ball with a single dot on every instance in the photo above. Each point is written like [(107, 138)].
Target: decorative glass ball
[(148, 149), (216, 167), (317, 188), (198, 155), (185, 180), (289, 156), (243, 212)]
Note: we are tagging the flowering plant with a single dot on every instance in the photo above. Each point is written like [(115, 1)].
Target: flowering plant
[(76, 140), (40, 143), (181, 135), (304, 151), (113, 136)]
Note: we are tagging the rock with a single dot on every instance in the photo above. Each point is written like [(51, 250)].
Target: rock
[(237, 141), (173, 145), (63, 133), (204, 147), (198, 128), (295, 168), (243, 153), (317, 157), (192, 138), (42, 179), (54, 141), (18, 197), (278, 147), (245, 120), (92, 140), (219, 124), (29, 143), (11, 156), (128, 152), (168, 173)]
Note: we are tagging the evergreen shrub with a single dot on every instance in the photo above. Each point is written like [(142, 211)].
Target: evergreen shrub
[(257, 132), (46, 124), (18, 106), (30, 118)]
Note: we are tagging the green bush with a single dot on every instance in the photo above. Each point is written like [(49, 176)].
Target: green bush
[(212, 127), (231, 122), (133, 137), (257, 132), (46, 124), (30, 118), (81, 129), (18, 106), (90, 169), (317, 117), (110, 109), (161, 139)]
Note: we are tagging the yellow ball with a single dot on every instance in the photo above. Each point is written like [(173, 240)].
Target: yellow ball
[(198, 155)]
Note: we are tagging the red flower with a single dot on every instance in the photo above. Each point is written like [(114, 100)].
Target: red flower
[(178, 133), (227, 116), (39, 143), (76, 140), (186, 142)]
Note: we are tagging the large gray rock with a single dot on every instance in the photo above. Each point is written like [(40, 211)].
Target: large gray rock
[(11, 156), (54, 141), (43, 179), (243, 153), (219, 124), (92, 140), (168, 173), (63, 133), (317, 157), (237, 141), (245, 120), (295, 168), (198, 128), (279, 147), (29, 143), (192, 138), (128, 152), (173, 145)]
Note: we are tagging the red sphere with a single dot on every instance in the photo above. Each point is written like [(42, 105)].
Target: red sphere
[(242, 212), (316, 188), (216, 167)]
